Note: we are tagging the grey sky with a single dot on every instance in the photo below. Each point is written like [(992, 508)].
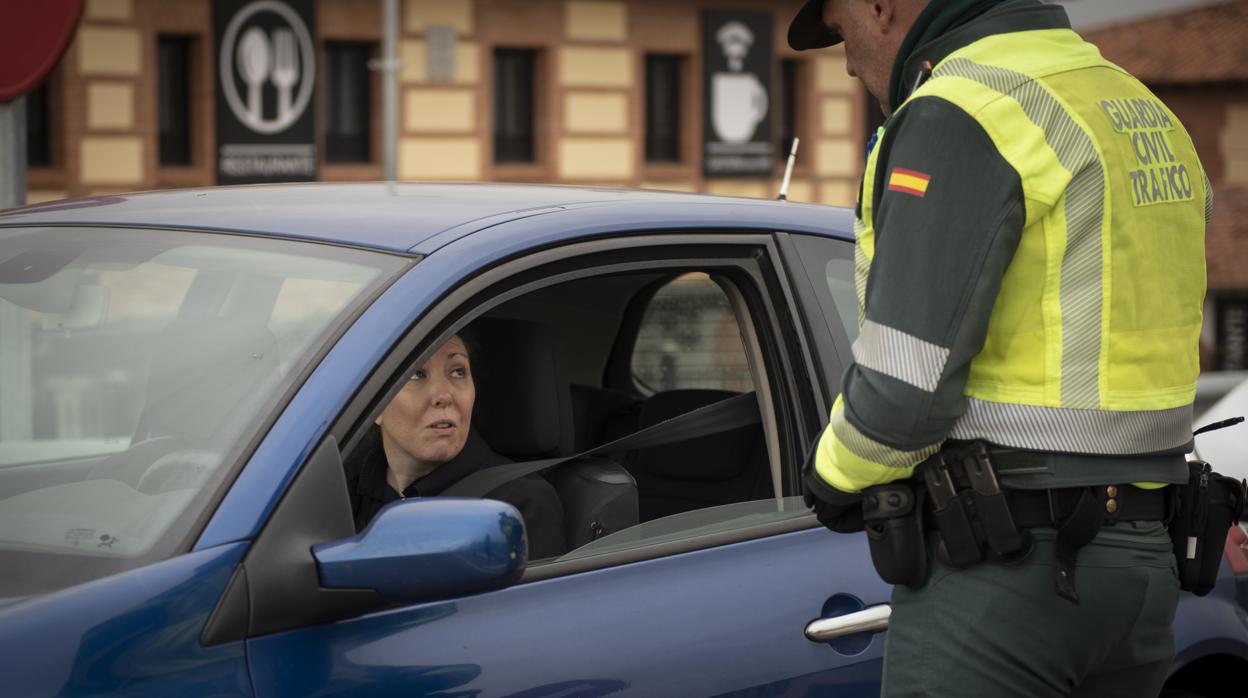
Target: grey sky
[(1086, 14)]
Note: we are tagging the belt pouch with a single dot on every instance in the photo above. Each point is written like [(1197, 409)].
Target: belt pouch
[(894, 523), (959, 545), (1004, 538), (1209, 504)]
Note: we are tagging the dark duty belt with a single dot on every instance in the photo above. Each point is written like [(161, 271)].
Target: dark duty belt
[(1078, 513), (975, 514), (1115, 503)]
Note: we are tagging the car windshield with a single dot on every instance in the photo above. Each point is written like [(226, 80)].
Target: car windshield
[(136, 366)]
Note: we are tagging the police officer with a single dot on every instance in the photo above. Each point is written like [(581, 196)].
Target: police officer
[(1030, 276)]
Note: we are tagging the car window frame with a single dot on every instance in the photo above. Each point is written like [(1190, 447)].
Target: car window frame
[(809, 305), (752, 255)]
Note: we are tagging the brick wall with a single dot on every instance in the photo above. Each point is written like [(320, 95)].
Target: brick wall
[(1216, 116), (591, 58)]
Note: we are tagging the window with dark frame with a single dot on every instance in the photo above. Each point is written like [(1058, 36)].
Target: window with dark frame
[(786, 103), (348, 102), (663, 113), (173, 99), (38, 128), (514, 105)]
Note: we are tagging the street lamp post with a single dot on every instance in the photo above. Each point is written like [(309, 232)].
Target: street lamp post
[(390, 88), (13, 153)]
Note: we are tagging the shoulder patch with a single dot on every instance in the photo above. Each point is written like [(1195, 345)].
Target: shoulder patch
[(909, 182)]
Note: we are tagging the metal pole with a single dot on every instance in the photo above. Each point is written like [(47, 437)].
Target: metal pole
[(13, 153), (15, 333), (390, 88), (16, 384)]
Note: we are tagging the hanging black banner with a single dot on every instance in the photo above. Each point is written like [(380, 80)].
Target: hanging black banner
[(736, 128), (266, 77)]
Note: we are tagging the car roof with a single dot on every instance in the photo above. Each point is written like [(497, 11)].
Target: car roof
[(402, 216)]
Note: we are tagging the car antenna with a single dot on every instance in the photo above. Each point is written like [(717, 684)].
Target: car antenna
[(1218, 425), (788, 171)]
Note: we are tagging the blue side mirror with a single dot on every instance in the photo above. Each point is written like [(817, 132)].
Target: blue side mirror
[(422, 549)]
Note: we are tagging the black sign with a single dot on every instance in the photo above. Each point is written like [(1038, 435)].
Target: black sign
[(266, 77), (1232, 324), (736, 128)]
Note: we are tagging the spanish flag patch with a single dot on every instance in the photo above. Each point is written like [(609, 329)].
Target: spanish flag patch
[(909, 182)]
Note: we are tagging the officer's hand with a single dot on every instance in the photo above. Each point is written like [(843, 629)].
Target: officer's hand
[(841, 514)]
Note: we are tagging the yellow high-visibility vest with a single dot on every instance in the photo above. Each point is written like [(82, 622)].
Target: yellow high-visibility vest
[(1092, 345)]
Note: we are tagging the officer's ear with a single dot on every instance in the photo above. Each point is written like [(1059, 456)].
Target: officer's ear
[(884, 13)]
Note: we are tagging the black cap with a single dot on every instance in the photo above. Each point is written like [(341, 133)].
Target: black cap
[(807, 29)]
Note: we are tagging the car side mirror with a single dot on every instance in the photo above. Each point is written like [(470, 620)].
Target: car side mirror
[(423, 549)]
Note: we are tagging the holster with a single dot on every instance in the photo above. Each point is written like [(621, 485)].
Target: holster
[(970, 510), (1208, 505), (893, 514), (959, 544)]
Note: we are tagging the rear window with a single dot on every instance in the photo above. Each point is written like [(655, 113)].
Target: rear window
[(135, 367), (689, 338)]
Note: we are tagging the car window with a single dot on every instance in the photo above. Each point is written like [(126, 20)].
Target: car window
[(830, 264), (134, 366), (689, 339), (696, 346), (838, 274)]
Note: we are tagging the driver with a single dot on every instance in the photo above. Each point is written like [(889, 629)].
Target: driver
[(422, 443)]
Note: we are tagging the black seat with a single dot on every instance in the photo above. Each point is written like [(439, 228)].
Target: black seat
[(713, 470), (524, 411), (602, 415)]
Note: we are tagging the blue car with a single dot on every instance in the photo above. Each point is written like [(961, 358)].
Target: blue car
[(186, 378)]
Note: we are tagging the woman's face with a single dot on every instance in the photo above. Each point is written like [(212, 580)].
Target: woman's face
[(428, 420)]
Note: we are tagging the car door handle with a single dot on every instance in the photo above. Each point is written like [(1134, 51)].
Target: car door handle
[(868, 620)]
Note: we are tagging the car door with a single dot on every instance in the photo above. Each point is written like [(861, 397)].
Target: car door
[(706, 602)]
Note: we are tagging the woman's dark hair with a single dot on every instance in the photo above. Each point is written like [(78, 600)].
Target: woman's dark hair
[(471, 342)]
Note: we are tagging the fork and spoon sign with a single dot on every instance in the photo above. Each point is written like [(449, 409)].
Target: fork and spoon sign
[(261, 60)]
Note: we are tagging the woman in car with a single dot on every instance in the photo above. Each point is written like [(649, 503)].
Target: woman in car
[(423, 442)]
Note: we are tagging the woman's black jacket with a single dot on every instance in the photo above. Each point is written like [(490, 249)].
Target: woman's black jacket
[(533, 496)]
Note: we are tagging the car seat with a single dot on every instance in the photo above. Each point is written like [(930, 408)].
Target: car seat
[(697, 473), (524, 411)]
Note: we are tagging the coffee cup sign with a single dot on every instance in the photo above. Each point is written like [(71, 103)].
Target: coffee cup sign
[(738, 106), (737, 141), (738, 99)]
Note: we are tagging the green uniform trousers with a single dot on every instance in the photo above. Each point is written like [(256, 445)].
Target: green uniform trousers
[(997, 630)]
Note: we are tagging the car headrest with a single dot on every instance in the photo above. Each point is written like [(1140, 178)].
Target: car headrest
[(722, 456), (524, 399)]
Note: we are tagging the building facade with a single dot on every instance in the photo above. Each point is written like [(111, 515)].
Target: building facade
[(590, 92), (596, 92)]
